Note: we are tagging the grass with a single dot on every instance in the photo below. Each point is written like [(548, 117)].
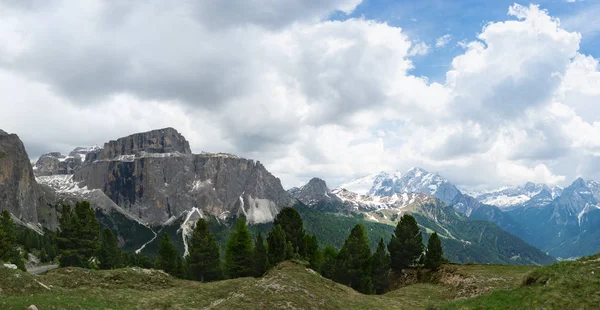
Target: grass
[(566, 285)]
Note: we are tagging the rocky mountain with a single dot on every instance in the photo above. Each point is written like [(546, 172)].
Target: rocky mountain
[(314, 191), (568, 226), (464, 239), (56, 163), (510, 197), (20, 194), (149, 180), (155, 176), (415, 180)]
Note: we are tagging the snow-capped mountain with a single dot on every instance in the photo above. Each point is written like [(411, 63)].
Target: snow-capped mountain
[(462, 236), (509, 197), (567, 226), (415, 181), (56, 163)]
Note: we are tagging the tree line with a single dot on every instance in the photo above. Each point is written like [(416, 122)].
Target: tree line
[(353, 265), (80, 242)]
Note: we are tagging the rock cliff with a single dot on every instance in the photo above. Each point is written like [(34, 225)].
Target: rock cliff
[(19, 192), (154, 176)]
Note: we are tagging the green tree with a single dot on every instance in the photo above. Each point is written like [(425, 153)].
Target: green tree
[(167, 256), (261, 261), (354, 261), (289, 219), (312, 252), (9, 251), (78, 235), (380, 268), (109, 253), (434, 253), (406, 245), (203, 261), (277, 245), (180, 268), (328, 268), (238, 256), (44, 256)]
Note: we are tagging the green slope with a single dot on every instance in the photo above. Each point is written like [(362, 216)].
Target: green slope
[(290, 285)]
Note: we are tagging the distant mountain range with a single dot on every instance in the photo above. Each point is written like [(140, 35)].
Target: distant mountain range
[(563, 222), (385, 202), (150, 183)]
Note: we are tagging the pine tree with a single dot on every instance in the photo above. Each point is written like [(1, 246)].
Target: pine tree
[(354, 261), (203, 261), (44, 256), (109, 253), (77, 238), (180, 268), (380, 268), (9, 250), (312, 252), (261, 261), (167, 256), (238, 256), (277, 245), (406, 245), (5, 245), (434, 253), (289, 219), (328, 268)]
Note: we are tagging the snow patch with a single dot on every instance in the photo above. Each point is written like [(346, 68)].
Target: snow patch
[(260, 210), (188, 225)]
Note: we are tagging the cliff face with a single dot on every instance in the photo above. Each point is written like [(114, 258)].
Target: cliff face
[(154, 177), (19, 192), (166, 140)]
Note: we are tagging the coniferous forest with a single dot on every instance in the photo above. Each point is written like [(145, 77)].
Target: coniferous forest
[(81, 242)]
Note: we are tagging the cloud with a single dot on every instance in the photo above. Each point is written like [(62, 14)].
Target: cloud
[(419, 48), (304, 95), (443, 40)]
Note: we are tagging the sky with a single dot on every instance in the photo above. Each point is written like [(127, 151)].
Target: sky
[(487, 93)]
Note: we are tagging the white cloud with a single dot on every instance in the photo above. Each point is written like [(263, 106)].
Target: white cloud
[(419, 48), (443, 40), (305, 96)]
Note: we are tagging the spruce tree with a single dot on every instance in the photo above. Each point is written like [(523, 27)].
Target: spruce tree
[(203, 261), (238, 256), (167, 256), (406, 245), (9, 250), (434, 253), (109, 253), (289, 219), (380, 268), (77, 238), (354, 261), (328, 268), (277, 245), (5, 246), (312, 252), (261, 261)]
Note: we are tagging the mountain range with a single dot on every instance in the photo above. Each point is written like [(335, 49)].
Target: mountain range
[(560, 221), (147, 184)]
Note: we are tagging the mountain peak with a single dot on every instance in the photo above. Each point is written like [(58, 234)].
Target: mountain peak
[(417, 171), (579, 182), (314, 191), (317, 183)]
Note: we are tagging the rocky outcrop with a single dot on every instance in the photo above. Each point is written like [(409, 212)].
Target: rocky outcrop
[(314, 191), (56, 163), (160, 141), (155, 177), (19, 192)]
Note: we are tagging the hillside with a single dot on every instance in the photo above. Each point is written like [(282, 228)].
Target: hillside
[(290, 285)]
